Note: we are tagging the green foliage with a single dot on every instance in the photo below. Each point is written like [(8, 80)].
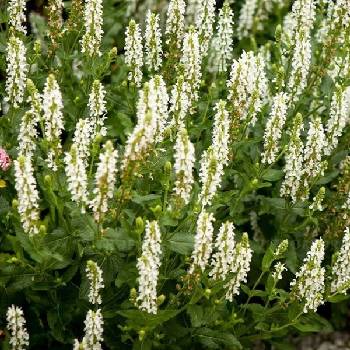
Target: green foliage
[(45, 273)]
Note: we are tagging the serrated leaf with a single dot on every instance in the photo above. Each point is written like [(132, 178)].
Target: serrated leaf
[(181, 243), (213, 339)]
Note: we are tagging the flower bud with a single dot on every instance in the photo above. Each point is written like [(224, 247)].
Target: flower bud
[(161, 299), (142, 334)]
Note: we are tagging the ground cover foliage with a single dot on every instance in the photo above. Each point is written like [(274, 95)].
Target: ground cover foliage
[(174, 178)]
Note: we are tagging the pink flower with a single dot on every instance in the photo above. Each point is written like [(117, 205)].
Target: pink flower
[(5, 160)]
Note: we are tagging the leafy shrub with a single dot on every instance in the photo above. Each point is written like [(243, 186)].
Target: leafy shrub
[(185, 187)]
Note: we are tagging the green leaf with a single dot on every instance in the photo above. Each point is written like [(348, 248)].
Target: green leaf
[(121, 240), (313, 322), (181, 243), (141, 319), (273, 175), (213, 339), (338, 298), (144, 199), (196, 315), (268, 258)]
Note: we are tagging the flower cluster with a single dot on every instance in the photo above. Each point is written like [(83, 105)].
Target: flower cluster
[(152, 116), (246, 18), (204, 22), (153, 42), (91, 41), (341, 267), (16, 71), (5, 160), (274, 126), (104, 180), (28, 196), (223, 40), (247, 87), (191, 60), (338, 118), (216, 156), (134, 52), (179, 102), (148, 265), (175, 24), (16, 324), (203, 242), (16, 10), (308, 285), (94, 275), (223, 258), (97, 108), (278, 270), (53, 119), (240, 266), (293, 168), (303, 16), (184, 163), (93, 332), (28, 129)]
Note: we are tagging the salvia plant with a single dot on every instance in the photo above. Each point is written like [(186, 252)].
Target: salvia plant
[(173, 174)]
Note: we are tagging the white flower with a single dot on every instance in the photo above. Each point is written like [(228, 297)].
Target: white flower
[(223, 41), (175, 24), (203, 242), (281, 249), (77, 176), (34, 99), (308, 285), (340, 68), (97, 103), (179, 102), (317, 200), (16, 10), (278, 270), (184, 163), (134, 52), (192, 11), (53, 119), (191, 60), (339, 117), (28, 196), (152, 116), (293, 168), (204, 23), (93, 331), (93, 20), (221, 132), (105, 179), (153, 42), (246, 18), (16, 324), (248, 86), (210, 173), (303, 15), (157, 85), (313, 151), (94, 275), (143, 135), (97, 108), (148, 266), (239, 268), (222, 259), (341, 267), (16, 71), (274, 126), (28, 134), (82, 137)]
